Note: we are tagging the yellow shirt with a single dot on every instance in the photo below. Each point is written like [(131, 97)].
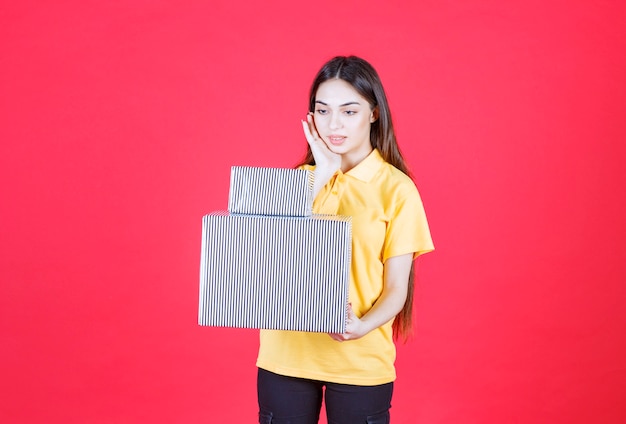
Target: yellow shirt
[(388, 220)]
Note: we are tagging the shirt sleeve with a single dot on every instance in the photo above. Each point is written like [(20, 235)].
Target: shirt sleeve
[(407, 229)]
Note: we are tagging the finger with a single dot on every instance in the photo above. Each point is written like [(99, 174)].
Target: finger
[(351, 315), (311, 135), (312, 127), (307, 132)]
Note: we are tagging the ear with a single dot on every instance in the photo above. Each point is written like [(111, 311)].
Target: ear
[(374, 115)]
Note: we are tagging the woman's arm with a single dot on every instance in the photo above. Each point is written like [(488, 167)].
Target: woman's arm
[(396, 282)]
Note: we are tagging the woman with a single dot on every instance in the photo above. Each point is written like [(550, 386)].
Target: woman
[(359, 172)]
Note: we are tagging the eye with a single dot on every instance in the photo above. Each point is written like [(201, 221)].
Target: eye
[(321, 111), (350, 112)]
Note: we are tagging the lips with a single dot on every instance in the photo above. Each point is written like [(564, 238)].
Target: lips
[(336, 139)]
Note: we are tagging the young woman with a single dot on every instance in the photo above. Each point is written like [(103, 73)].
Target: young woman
[(359, 172)]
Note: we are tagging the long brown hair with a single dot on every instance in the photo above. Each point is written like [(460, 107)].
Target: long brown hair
[(365, 80)]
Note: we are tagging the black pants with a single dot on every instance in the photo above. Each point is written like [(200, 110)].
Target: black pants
[(291, 400)]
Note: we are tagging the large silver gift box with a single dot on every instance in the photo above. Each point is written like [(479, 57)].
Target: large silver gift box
[(287, 271)]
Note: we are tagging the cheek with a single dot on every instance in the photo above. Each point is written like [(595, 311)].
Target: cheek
[(362, 126)]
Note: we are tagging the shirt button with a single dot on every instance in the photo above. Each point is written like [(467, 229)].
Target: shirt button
[(334, 192)]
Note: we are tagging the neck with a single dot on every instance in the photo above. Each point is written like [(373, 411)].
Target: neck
[(350, 161)]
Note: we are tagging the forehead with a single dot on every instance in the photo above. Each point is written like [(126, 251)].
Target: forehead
[(338, 91)]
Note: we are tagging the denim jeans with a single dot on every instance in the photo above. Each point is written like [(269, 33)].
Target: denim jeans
[(292, 400)]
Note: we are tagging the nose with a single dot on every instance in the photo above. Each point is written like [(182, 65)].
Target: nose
[(335, 121)]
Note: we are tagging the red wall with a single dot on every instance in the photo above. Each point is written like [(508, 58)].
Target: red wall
[(118, 127)]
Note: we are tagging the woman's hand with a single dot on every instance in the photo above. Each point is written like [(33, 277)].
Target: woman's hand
[(324, 157), (355, 328), (326, 161)]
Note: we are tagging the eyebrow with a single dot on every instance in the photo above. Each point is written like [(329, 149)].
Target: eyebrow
[(345, 104)]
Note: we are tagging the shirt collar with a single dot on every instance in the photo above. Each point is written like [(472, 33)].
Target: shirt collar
[(368, 167)]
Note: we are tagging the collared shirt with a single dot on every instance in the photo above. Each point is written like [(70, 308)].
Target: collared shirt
[(388, 220)]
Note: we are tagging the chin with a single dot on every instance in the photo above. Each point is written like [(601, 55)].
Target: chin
[(340, 150)]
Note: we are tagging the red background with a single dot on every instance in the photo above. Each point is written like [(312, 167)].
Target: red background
[(119, 122)]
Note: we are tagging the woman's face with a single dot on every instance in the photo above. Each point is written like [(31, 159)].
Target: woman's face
[(343, 120)]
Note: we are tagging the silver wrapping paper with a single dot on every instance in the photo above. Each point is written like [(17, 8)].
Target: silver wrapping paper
[(285, 273), (270, 191)]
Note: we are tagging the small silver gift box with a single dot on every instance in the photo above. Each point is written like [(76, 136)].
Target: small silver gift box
[(270, 191)]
